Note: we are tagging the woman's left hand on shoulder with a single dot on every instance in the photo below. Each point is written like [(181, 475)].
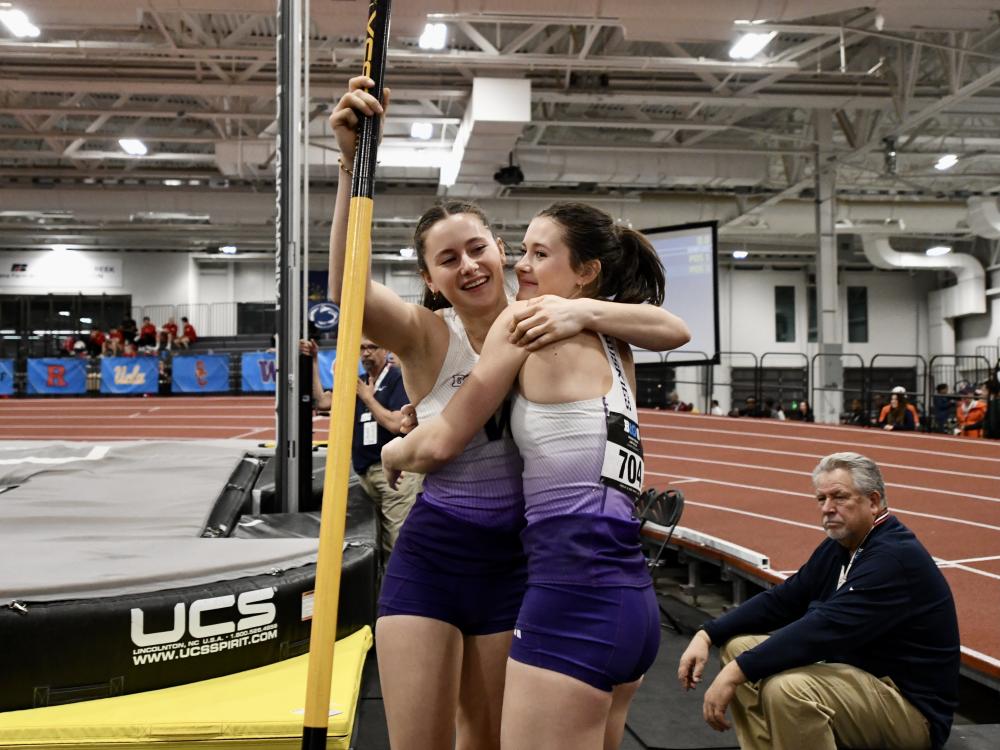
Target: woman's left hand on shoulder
[(544, 320)]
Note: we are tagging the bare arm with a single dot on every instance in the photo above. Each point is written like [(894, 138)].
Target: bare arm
[(389, 320), (549, 318), (322, 400), (439, 440)]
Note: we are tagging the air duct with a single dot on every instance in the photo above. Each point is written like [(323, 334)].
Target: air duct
[(984, 217)]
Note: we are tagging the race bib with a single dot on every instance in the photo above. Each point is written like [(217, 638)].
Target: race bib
[(622, 467)]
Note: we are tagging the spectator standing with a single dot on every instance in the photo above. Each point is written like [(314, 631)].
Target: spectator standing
[(942, 408), (991, 424), (147, 334), (96, 341), (377, 420), (188, 334), (864, 644), (970, 414)]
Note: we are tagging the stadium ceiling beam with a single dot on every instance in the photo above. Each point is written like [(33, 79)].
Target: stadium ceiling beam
[(912, 121), (900, 38)]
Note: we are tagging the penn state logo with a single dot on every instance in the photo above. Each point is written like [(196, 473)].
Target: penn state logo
[(324, 315)]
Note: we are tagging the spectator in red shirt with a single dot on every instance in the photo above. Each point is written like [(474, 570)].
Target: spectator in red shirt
[(96, 341), (188, 335), (115, 342), (129, 350), (168, 333), (147, 334)]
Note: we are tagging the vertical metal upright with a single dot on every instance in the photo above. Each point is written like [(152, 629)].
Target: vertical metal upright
[(828, 334), (288, 252)]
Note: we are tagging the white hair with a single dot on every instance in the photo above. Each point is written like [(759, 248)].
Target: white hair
[(864, 472)]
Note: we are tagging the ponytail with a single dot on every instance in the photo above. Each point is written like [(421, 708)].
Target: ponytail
[(638, 276), (630, 268)]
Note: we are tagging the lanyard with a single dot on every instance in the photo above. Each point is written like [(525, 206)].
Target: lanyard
[(845, 571)]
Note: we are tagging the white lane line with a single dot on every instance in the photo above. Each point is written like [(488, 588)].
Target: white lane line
[(796, 472), (817, 456), (893, 508), (774, 436), (944, 565), (252, 432)]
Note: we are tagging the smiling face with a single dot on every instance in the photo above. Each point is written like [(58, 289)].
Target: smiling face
[(547, 264), (464, 262), (847, 514)]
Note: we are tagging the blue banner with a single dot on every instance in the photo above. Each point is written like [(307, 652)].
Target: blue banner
[(326, 359), (57, 376), (6, 377), (130, 375), (258, 371), (207, 373)]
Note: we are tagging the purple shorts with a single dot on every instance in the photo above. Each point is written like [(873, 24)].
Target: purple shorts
[(445, 568), (590, 611), (601, 635)]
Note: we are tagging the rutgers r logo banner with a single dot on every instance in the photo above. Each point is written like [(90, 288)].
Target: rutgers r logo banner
[(50, 376)]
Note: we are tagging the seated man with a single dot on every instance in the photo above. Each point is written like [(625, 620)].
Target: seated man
[(864, 647), (188, 335), (147, 334)]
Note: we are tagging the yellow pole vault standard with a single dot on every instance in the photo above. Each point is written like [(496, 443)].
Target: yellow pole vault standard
[(345, 373)]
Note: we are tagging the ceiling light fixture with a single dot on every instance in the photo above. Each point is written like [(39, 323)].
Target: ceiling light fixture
[(228, 250), (17, 22), (406, 252), (937, 251), (173, 182), (751, 44), (741, 254), (946, 162), (422, 131), (434, 37), (133, 146)]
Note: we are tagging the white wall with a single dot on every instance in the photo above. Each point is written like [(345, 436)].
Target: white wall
[(156, 278)]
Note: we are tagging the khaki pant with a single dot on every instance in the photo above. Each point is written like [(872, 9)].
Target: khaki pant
[(392, 506), (822, 707)]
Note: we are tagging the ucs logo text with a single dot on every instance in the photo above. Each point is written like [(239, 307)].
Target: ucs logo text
[(256, 608)]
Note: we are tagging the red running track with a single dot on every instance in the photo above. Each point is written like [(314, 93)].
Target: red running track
[(749, 482), (746, 481)]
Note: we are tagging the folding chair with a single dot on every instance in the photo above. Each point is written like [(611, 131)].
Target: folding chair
[(664, 509)]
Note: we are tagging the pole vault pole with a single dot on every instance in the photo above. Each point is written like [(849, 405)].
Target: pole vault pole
[(345, 373)]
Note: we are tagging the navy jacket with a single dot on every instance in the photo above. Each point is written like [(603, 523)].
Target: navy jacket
[(391, 395), (893, 617)]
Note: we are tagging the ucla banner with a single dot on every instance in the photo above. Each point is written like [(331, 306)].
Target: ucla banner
[(200, 374), (258, 371), (326, 359), (52, 376), (6, 377), (130, 375)]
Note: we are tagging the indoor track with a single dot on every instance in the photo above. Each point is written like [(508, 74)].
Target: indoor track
[(746, 481)]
